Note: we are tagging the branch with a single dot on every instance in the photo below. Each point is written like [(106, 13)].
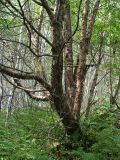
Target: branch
[(28, 91), (45, 5), (40, 4), (25, 45), (92, 18), (48, 9), (24, 22), (14, 73), (23, 88), (33, 96), (103, 77), (37, 98), (29, 23), (26, 76), (21, 43)]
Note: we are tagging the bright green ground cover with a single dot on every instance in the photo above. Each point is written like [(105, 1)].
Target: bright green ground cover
[(37, 135)]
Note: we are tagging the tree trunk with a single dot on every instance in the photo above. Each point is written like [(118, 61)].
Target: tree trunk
[(81, 70), (61, 101), (68, 58), (95, 78)]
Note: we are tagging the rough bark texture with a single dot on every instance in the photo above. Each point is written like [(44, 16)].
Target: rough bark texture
[(86, 33), (80, 75), (68, 58)]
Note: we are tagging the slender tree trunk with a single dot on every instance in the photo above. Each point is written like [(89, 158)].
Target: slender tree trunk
[(10, 103), (81, 70), (2, 92), (68, 58), (86, 33), (94, 82)]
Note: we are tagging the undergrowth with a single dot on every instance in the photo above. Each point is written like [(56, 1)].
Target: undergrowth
[(37, 135)]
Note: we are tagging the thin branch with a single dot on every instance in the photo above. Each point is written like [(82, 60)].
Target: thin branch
[(23, 88), (92, 18), (45, 5), (30, 24), (48, 9)]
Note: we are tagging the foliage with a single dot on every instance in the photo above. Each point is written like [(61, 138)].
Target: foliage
[(101, 138), (25, 136)]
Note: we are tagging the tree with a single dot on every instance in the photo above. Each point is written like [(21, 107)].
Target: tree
[(64, 89)]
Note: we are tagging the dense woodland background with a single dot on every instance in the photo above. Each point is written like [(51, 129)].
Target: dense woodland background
[(59, 80)]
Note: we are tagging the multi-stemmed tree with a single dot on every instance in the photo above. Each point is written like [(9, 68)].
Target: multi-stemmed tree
[(66, 84)]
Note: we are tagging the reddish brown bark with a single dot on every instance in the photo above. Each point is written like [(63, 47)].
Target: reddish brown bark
[(68, 58), (84, 45), (80, 75)]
